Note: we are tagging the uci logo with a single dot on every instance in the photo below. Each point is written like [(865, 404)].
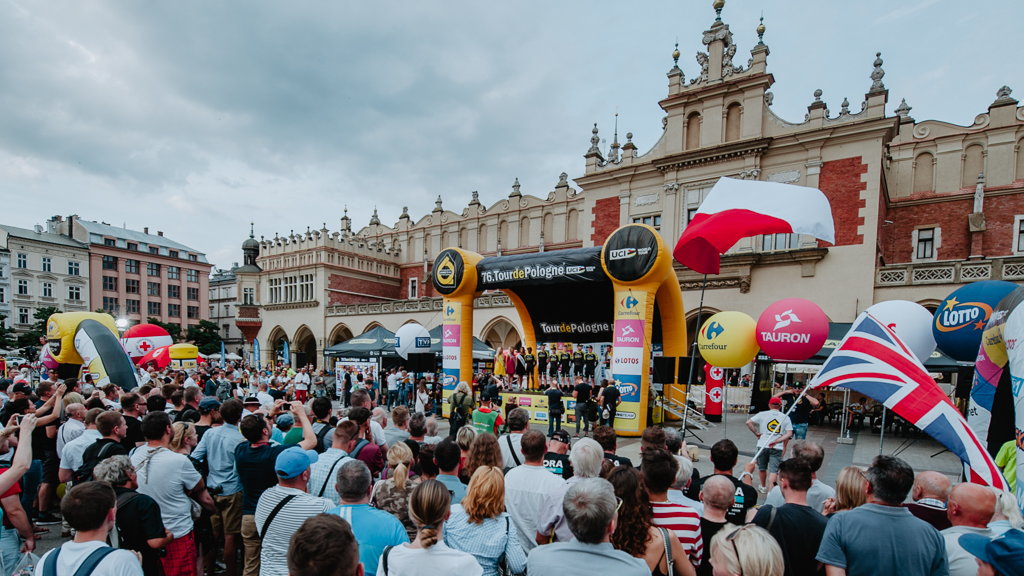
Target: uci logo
[(622, 253), (956, 315)]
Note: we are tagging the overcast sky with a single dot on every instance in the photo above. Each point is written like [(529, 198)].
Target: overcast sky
[(196, 118)]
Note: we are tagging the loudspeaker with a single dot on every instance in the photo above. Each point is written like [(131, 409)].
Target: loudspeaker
[(424, 362), (664, 368), (684, 372)]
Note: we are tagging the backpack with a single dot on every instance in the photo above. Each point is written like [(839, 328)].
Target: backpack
[(359, 448), (320, 449), (87, 567), (84, 472), (117, 536)]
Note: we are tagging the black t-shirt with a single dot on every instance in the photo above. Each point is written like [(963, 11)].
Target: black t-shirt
[(802, 413), (577, 358), (255, 467), (583, 391), (708, 529), (558, 464), (746, 498), (617, 460), (200, 430), (138, 520), (554, 398), (41, 443), (542, 357), (134, 433), (798, 530), (611, 396)]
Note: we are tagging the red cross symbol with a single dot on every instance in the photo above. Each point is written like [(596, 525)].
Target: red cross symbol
[(144, 345)]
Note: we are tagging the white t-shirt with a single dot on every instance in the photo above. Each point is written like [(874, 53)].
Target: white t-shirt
[(67, 432), (301, 381), (166, 476), (772, 425), (71, 455), (527, 488), (438, 559), (517, 445), (392, 382), (72, 554)]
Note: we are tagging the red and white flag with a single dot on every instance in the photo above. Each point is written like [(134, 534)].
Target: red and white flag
[(735, 209)]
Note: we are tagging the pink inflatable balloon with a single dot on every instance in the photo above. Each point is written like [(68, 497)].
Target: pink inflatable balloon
[(47, 358), (792, 329)]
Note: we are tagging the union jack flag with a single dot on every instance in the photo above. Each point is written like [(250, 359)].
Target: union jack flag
[(873, 361)]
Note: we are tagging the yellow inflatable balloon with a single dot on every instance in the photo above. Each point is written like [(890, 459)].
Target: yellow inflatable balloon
[(728, 340), (183, 356)]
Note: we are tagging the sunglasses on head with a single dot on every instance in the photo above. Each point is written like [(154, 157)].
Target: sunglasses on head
[(731, 538)]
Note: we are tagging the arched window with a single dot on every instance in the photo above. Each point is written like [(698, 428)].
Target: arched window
[(974, 164), (693, 131), (924, 173), (1020, 161), (732, 122), (481, 242), (524, 231), (464, 238), (549, 229), (572, 226), (503, 234)]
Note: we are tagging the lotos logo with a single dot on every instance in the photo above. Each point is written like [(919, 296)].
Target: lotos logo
[(622, 253), (714, 330), (956, 315)]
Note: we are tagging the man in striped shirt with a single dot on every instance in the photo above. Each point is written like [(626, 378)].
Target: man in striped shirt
[(659, 470), (293, 504)]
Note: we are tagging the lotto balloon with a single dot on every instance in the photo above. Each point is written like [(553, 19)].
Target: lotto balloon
[(792, 329), (910, 321), (142, 339), (960, 319), (727, 340), (412, 338)]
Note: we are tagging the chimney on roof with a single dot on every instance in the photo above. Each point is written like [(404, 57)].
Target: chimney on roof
[(145, 230), (159, 233)]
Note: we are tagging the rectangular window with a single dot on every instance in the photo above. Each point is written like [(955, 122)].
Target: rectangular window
[(174, 291), (22, 260), (110, 283), (74, 268), (131, 266), (131, 286), (131, 306), (153, 269), (925, 244), (414, 286), (110, 262), (109, 242), (248, 296), (153, 288), (275, 290), (192, 275), (193, 312), (154, 249), (174, 310), (172, 253), (193, 258), (23, 287), (173, 273), (133, 246), (110, 305), (47, 290), (22, 315), (47, 264), (306, 288), (193, 293), (770, 242), (153, 308), (3, 294), (74, 292), (654, 220), (1020, 234)]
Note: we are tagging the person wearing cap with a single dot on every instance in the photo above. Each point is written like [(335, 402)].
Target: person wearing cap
[(209, 415), (773, 429), (250, 405), (556, 459), (293, 504), (999, 556)]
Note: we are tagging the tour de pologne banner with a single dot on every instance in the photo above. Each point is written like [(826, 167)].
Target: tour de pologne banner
[(451, 342), (628, 357), (566, 292), (1013, 335)]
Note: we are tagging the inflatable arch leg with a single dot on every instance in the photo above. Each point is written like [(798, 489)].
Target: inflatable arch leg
[(89, 339)]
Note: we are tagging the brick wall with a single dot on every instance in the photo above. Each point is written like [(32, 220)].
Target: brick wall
[(606, 219), (383, 289), (841, 181), (426, 288)]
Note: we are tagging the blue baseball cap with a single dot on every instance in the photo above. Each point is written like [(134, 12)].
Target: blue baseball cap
[(1005, 552), (294, 461)]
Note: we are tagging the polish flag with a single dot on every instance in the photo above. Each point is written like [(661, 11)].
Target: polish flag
[(736, 209)]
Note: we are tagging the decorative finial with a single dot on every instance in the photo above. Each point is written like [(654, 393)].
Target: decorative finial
[(845, 109), (613, 151), (594, 140), (563, 181), (760, 32), (374, 220), (1003, 97), (1004, 92), (718, 5), (817, 95), (437, 204), (629, 137), (474, 198), (903, 110), (515, 190), (876, 75), (252, 230), (675, 55), (405, 212)]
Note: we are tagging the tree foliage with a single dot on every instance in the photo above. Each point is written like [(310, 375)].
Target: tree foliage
[(173, 329), (206, 336)]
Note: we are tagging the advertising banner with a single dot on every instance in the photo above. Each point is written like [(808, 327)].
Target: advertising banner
[(629, 355), (714, 390), (360, 370), (451, 343), (558, 267), (1015, 353)]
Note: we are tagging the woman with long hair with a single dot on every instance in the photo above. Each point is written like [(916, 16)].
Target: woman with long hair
[(465, 439), (427, 554), (636, 535), (422, 396), (483, 452), (499, 362), (850, 483), (747, 550), (480, 526), (392, 495)]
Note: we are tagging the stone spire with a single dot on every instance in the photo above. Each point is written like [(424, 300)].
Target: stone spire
[(876, 75), (676, 79), (515, 190), (760, 32), (437, 204), (613, 150), (594, 141), (405, 213), (903, 111), (346, 222), (374, 220)]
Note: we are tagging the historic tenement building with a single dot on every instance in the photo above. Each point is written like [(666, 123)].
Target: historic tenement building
[(919, 208)]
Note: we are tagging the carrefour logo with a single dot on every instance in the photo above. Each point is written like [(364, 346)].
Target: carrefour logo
[(714, 330), (957, 315), (629, 302)]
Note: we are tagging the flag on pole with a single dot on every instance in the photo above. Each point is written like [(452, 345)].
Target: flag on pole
[(872, 361), (256, 354), (223, 361), (735, 209)]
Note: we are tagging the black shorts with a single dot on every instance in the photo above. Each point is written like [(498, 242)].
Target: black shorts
[(542, 367), (588, 371), (51, 465)]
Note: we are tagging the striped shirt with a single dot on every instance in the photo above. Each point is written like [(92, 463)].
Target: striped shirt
[(686, 524), (274, 555)]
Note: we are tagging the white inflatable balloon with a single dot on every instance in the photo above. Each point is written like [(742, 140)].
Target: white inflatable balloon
[(911, 322), (413, 338)]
